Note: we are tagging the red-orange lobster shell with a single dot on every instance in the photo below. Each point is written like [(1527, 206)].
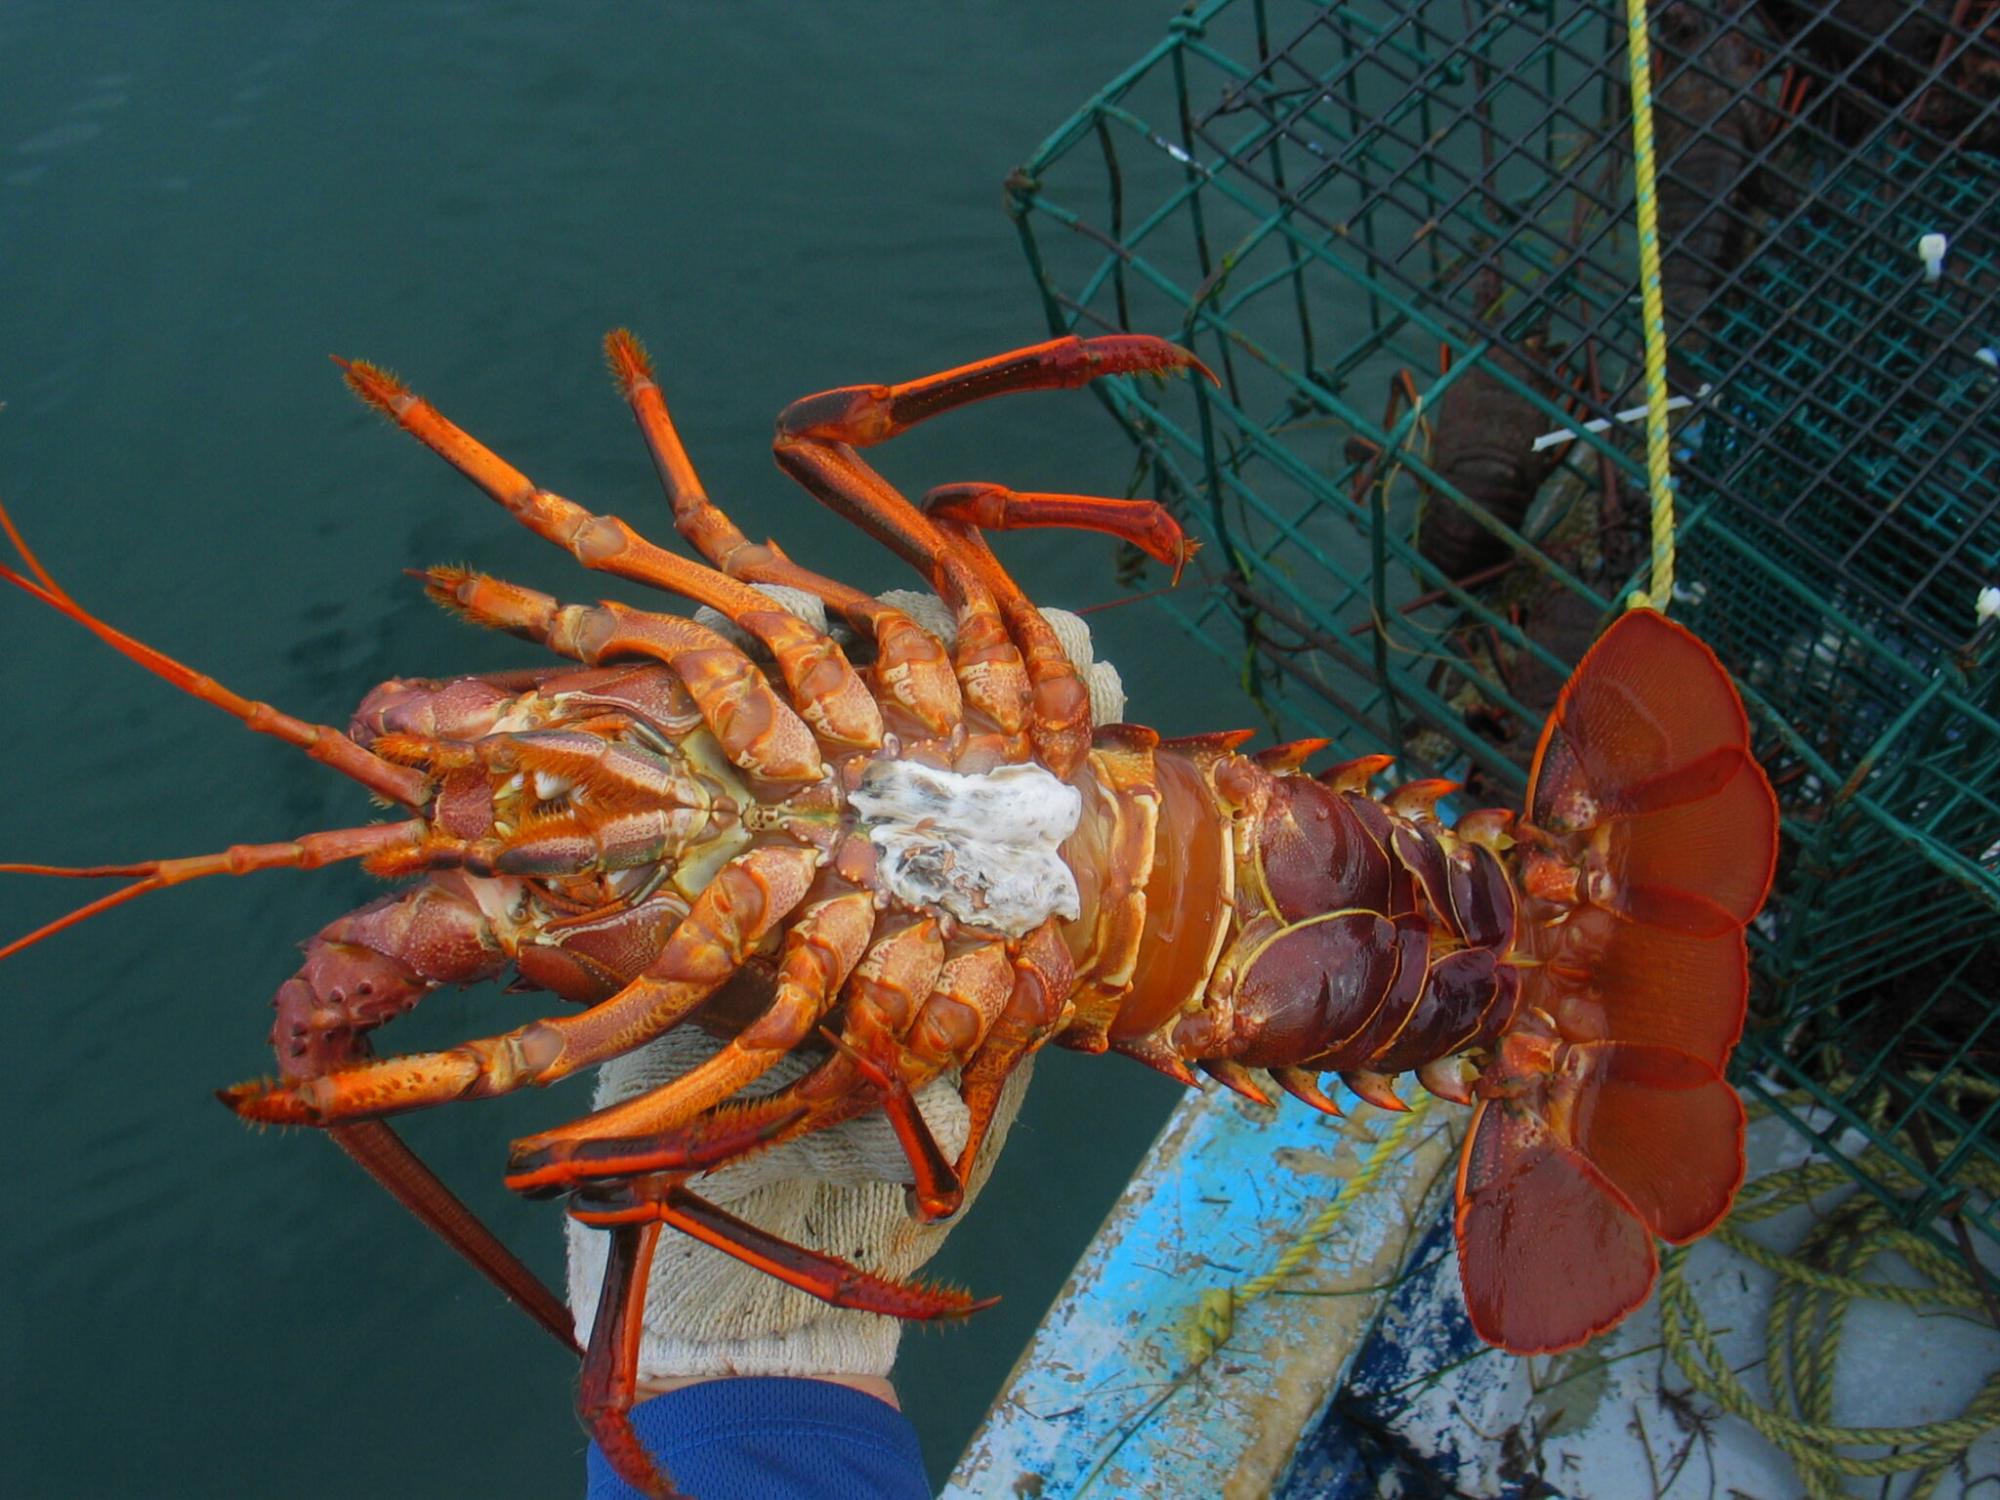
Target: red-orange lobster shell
[(920, 843)]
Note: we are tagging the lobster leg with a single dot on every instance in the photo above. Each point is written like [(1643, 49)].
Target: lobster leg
[(376, 1148), (608, 1386), (755, 728), (817, 436), (912, 670), (827, 1277), (972, 991), (1146, 524), (748, 898), (990, 672), (884, 993), (1060, 726), (361, 971), (817, 672), (1037, 1008), (820, 950), (863, 415)]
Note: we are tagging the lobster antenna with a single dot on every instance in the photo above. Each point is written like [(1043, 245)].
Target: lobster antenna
[(323, 743), (27, 555), (307, 852)]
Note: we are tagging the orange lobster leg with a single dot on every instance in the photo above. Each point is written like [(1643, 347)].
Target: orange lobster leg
[(1038, 1007), (935, 1185), (817, 436), (884, 994), (863, 415), (826, 1277), (823, 685), (1146, 524), (608, 1386), (820, 950), (748, 898), (1060, 723), (911, 668), (723, 1134), (988, 666), (754, 727), (972, 990)]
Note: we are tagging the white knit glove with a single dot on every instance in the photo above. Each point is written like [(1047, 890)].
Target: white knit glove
[(841, 1191)]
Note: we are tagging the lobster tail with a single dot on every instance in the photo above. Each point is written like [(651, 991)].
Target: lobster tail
[(1604, 1119)]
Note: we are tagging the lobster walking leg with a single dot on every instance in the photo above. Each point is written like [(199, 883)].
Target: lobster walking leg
[(608, 1386), (884, 993), (912, 670), (817, 436), (1060, 725), (827, 1277), (971, 992), (748, 898), (1146, 524), (815, 669), (1037, 1007), (989, 668), (820, 950), (863, 415), (755, 728), (360, 972)]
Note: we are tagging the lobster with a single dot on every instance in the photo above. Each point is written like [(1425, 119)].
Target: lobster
[(1482, 446), (927, 856)]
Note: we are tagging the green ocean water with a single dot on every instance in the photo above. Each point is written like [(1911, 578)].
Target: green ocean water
[(198, 203)]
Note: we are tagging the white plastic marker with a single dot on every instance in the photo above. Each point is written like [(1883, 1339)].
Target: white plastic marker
[(1988, 605), (1630, 414), (1930, 250)]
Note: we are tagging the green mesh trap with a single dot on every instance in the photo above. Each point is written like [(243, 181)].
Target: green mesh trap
[(1321, 200)]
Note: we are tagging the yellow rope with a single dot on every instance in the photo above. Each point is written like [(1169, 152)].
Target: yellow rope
[(1817, 1281), (1659, 476), (1213, 1317)]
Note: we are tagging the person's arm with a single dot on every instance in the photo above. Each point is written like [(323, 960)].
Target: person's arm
[(773, 1438)]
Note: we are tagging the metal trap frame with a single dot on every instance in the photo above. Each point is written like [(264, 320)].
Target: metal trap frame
[(1318, 198)]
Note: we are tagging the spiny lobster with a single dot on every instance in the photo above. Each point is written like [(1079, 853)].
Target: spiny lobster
[(932, 860)]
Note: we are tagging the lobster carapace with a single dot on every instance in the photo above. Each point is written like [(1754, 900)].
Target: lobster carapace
[(919, 849)]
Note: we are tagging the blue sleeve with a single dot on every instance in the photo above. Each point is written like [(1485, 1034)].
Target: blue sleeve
[(773, 1438)]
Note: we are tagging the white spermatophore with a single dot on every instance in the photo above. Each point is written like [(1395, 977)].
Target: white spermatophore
[(983, 848)]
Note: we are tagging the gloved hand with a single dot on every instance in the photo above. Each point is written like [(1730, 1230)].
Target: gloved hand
[(841, 1191)]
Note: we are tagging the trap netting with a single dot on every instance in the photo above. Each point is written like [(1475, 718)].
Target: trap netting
[(1319, 199)]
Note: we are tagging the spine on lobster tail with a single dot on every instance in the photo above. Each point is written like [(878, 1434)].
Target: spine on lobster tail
[(1603, 1118)]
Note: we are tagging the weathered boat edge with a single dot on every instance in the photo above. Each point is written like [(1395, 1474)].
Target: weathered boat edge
[(1146, 1377)]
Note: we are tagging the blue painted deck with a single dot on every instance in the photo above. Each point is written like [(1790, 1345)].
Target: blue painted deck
[(1110, 1400), (1363, 1378)]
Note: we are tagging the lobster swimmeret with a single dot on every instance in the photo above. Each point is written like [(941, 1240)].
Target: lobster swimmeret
[(931, 860)]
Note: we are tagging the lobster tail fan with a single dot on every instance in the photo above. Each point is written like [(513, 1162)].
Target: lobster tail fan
[(1612, 1123), (1549, 1253)]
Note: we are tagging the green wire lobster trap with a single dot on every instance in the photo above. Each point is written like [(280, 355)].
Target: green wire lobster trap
[(1321, 200)]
